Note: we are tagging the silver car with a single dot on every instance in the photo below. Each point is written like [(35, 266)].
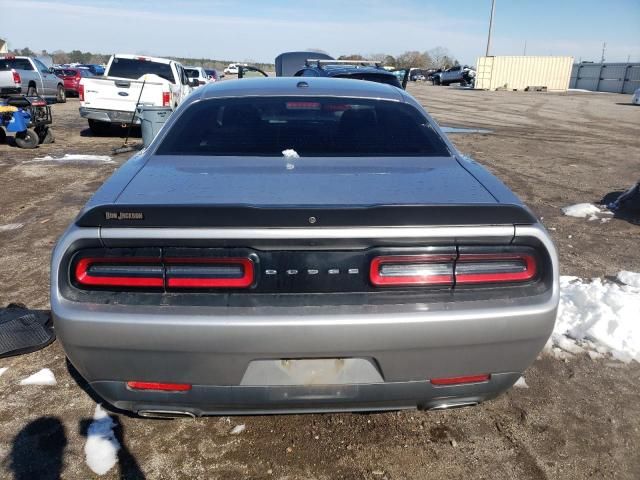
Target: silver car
[(302, 245)]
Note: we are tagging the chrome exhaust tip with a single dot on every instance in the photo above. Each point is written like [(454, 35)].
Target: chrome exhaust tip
[(169, 414), (451, 405)]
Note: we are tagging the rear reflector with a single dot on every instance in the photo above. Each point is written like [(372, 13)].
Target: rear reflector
[(165, 387), (461, 380), (412, 270), (209, 272), (119, 272), (495, 268)]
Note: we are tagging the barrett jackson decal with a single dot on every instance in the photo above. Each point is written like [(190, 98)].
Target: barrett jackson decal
[(123, 216)]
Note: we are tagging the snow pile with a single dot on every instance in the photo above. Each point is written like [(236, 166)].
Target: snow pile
[(599, 317), (3, 369), (72, 157), (43, 377), (290, 153), (238, 429), (101, 449), (584, 210), (521, 383), (629, 278)]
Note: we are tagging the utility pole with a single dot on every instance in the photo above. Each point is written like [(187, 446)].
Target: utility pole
[(525, 49), (493, 11), (604, 47)]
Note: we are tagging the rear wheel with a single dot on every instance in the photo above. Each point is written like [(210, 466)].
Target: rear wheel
[(61, 96), (46, 135), (436, 80), (27, 139), (99, 128)]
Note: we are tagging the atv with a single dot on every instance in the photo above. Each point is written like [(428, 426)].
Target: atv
[(29, 118)]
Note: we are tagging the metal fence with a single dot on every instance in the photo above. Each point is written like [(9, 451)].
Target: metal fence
[(606, 77)]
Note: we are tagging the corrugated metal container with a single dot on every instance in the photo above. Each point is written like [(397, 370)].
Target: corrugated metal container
[(521, 72)]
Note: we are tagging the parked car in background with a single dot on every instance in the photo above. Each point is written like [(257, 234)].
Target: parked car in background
[(464, 75), (71, 78), (373, 268), (112, 98), (213, 74), (95, 69), (417, 75), (197, 73), (31, 77), (233, 68), (635, 99)]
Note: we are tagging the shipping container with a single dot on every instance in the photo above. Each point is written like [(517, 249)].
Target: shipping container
[(523, 72)]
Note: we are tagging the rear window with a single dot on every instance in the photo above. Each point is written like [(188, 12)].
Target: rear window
[(17, 63), (65, 73), (310, 126), (133, 68), (373, 77), (192, 72)]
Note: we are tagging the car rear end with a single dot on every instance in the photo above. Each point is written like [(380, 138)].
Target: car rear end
[(235, 298), (10, 79)]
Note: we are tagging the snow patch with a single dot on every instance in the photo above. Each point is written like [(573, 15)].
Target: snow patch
[(43, 377), (290, 153), (73, 158), (521, 383), (598, 316), (238, 429), (581, 210), (629, 278), (11, 226), (101, 449), (3, 369)]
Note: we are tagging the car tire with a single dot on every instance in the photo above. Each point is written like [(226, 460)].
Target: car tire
[(27, 139), (436, 81), (32, 91), (99, 128), (61, 95)]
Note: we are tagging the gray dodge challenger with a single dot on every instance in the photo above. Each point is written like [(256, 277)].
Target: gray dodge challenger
[(302, 245)]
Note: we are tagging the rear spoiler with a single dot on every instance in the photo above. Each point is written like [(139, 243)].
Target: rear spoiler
[(193, 216)]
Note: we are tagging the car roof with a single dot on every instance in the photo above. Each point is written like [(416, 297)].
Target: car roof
[(145, 57), (301, 86)]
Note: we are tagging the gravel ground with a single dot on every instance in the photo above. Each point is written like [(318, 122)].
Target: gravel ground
[(578, 418)]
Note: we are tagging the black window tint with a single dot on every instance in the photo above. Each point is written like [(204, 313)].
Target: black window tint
[(192, 72), (310, 126), (133, 68), (373, 77), (17, 63)]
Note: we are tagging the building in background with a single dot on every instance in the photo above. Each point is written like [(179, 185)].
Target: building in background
[(3, 46)]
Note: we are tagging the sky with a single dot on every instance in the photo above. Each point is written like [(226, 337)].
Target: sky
[(258, 30)]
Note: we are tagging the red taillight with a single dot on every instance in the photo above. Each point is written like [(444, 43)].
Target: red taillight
[(461, 380), (81, 92), (164, 387), (398, 270), (495, 268), (209, 272), (166, 99), (16, 77), (120, 272)]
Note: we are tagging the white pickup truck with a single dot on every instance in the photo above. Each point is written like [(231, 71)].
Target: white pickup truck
[(112, 98), (29, 76)]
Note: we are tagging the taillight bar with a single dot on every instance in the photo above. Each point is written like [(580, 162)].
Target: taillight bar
[(495, 268), (178, 273), (398, 270), (119, 272), (209, 272), (466, 269)]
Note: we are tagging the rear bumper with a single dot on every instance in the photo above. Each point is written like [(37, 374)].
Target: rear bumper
[(110, 116), (214, 348), (10, 90)]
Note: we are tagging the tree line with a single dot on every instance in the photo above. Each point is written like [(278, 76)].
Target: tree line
[(438, 57)]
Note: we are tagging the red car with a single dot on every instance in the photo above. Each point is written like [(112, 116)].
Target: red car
[(72, 77)]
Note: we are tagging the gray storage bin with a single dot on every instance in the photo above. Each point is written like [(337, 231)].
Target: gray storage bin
[(151, 120)]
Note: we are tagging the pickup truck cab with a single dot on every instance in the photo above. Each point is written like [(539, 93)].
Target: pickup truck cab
[(29, 76), (129, 80)]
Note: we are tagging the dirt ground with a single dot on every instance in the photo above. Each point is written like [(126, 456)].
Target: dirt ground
[(578, 418)]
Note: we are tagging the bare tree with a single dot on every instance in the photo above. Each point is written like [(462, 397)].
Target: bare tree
[(353, 56), (441, 58)]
